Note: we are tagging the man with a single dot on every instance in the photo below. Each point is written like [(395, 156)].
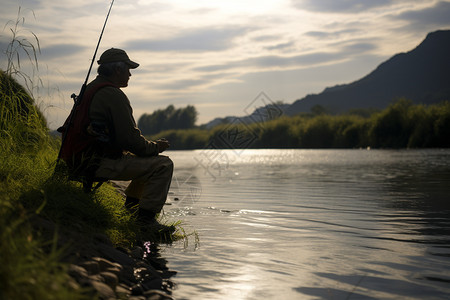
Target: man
[(128, 156)]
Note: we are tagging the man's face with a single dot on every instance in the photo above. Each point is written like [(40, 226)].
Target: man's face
[(122, 76)]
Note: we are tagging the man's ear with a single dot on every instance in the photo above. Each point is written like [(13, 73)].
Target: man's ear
[(117, 70)]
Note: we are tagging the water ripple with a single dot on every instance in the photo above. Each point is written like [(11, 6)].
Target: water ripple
[(316, 224)]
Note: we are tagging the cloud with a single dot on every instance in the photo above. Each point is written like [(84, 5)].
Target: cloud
[(281, 46), (154, 6), (202, 81), (13, 6), (339, 6), (273, 61), (60, 50), (330, 34), (359, 47), (264, 38), (183, 84), (215, 68), (203, 11), (436, 15), (298, 60), (202, 39), (343, 51)]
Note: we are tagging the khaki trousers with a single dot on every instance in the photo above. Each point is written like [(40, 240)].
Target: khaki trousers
[(150, 178)]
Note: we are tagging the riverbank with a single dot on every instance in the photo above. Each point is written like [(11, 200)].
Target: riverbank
[(61, 243), (98, 269), (91, 247)]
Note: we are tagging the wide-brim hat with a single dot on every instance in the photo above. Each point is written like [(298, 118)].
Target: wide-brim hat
[(116, 55)]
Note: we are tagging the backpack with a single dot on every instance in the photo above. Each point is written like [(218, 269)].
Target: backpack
[(82, 140)]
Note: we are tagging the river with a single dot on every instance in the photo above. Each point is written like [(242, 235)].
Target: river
[(311, 224)]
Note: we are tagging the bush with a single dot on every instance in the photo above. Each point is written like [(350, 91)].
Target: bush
[(22, 125), (441, 125), (277, 134), (391, 127)]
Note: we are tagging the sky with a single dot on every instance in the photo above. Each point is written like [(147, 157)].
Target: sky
[(219, 56)]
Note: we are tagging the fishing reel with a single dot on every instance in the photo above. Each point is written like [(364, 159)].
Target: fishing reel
[(74, 97)]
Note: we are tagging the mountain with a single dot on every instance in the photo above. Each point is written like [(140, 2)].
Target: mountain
[(260, 114), (421, 75)]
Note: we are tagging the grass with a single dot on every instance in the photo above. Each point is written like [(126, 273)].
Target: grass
[(27, 271)]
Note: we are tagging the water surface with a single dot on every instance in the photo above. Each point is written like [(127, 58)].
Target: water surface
[(312, 224)]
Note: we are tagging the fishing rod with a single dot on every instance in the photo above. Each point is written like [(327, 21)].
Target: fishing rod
[(77, 99)]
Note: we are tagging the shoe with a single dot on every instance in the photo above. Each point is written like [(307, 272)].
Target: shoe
[(146, 216), (148, 219)]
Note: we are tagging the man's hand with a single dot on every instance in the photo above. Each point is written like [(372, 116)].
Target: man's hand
[(163, 144)]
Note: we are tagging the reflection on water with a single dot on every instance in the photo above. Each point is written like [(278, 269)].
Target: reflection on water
[(309, 224)]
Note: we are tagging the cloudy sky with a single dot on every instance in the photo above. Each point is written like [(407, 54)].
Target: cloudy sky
[(218, 55)]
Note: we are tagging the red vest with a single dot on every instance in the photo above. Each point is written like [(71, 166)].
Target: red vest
[(77, 139)]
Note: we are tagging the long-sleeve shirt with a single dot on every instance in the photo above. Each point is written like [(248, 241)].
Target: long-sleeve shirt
[(112, 107)]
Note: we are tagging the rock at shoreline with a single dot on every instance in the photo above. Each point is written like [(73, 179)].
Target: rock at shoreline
[(109, 272), (122, 275)]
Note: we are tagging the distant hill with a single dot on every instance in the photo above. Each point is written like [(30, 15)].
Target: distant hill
[(261, 114), (421, 75)]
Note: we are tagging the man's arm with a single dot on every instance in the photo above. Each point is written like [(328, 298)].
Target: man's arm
[(126, 134)]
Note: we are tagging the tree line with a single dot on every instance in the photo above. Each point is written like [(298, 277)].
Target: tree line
[(168, 118), (401, 125)]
